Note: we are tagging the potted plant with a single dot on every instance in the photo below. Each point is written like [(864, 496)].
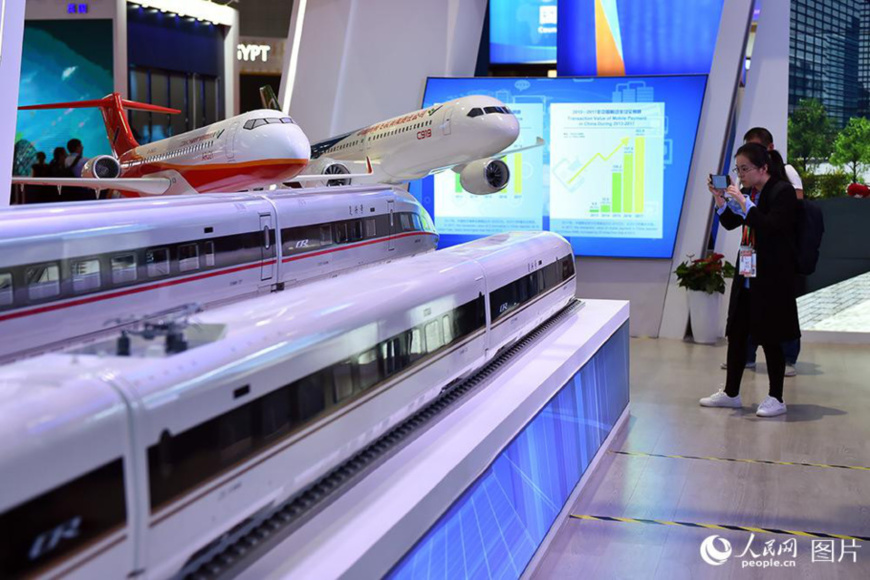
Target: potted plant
[(705, 281)]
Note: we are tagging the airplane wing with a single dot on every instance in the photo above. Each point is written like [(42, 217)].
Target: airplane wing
[(333, 176), (539, 142), (142, 185)]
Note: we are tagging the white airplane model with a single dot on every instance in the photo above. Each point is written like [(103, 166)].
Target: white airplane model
[(468, 135), (252, 150)]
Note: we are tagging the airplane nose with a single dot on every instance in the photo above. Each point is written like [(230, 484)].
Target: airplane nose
[(297, 144), (504, 129)]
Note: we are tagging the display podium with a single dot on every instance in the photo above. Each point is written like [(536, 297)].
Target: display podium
[(477, 493)]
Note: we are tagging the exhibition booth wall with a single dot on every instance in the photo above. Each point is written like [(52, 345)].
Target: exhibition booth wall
[(331, 86), (347, 65), (75, 51)]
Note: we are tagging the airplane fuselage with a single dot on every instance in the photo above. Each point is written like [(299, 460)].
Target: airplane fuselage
[(426, 141), (252, 150)]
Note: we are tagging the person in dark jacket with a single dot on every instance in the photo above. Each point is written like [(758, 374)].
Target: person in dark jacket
[(40, 193), (762, 296)]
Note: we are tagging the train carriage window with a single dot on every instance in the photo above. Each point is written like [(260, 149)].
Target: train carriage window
[(551, 275), (51, 528), (405, 220), (43, 281), (325, 235), (307, 398), (188, 257), (371, 228), (124, 269), (86, 275), (383, 224), (341, 235), (433, 336), (356, 230), (567, 267), (6, 289), (275, 413), (415, 347), (157, 261), (447, 329), (389, 354), (235, 434), (369, 373), (209, 255), (415, 220), (342, 374)]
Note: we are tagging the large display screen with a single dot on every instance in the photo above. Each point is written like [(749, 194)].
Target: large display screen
[(611, 177), (63, 61), (637, 37), (522, 31)]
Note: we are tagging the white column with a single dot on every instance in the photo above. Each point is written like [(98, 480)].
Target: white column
[(11, 42), (716, 119), (765, 101), (348, 64), (231, 68), (119, 47)]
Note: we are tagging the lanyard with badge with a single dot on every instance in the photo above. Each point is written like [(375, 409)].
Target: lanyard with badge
[(747, 257)]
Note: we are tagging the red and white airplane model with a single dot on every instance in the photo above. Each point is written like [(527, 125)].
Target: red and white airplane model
[(252, 150)]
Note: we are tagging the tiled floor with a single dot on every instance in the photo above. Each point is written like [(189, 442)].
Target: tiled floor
[(828, 422), (843, 307)]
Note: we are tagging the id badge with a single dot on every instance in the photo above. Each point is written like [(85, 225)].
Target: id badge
[(747, 262)]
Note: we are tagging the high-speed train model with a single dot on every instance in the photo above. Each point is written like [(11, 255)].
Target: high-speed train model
[(77, 269), (133, 466)]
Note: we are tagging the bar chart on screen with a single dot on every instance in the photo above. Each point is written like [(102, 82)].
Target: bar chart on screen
[(607, 169)]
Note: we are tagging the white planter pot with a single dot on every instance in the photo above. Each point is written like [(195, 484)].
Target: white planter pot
[(704, 316)]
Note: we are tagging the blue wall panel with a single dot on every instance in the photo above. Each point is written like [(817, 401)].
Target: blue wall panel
[(494, 528)]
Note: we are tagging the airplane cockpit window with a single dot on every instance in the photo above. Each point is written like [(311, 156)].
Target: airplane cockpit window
[(254, 123), (475, 112), (490, 110)]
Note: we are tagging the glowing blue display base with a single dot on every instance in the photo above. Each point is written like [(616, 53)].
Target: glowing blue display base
[(494, 529), (475, 494)]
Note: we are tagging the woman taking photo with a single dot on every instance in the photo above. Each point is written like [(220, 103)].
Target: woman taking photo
[(762, 297)]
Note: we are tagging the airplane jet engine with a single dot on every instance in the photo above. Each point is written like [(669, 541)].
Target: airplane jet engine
[(331, 167), (102, 167), (484, 176)]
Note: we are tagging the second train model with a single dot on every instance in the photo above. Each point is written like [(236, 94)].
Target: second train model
[(130, 466), (74, 270)]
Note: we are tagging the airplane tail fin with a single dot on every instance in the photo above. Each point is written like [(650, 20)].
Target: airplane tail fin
[(268, 98), (112, 107)]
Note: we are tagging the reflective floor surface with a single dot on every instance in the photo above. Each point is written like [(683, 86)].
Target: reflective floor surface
[(828, 422)]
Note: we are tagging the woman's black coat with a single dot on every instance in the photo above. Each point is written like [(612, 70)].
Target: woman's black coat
[(772, 306)]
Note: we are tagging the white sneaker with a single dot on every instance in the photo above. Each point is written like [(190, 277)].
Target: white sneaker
[(770, 407), (790, 371), (720, 399)]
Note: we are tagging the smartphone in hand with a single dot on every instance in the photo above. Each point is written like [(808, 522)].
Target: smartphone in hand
[(720, 182)]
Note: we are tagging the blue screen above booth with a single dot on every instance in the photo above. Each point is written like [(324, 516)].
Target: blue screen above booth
[(522, 31), (610, 178), (633, 37)]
